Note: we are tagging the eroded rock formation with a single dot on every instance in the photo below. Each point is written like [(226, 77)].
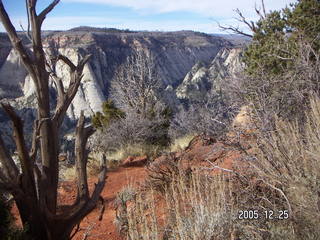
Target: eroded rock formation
[(175, 53)]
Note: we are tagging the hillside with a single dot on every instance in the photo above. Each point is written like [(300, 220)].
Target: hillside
[(175, 54)]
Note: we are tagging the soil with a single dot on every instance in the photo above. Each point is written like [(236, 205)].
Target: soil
[(116, 181), (199, 154), (94, 229)]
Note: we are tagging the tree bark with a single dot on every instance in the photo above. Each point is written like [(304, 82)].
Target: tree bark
[(35, 189)]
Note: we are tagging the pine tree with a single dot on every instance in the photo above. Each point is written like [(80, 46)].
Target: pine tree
[(109, 113), (277, 35)]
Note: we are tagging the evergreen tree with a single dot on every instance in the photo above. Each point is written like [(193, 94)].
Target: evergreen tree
[(282, 61), (109, 113), (277, 35)]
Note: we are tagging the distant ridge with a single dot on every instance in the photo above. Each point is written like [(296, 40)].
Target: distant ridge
[(96, 29)]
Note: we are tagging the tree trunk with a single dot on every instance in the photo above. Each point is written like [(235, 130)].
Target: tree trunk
[(35, 188), (31, 218)]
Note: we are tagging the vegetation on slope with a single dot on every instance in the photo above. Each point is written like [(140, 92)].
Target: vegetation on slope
[(273, 191)]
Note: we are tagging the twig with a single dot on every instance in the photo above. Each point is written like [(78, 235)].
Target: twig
[(281, 192), (75, 231), (102, 208), (87, 233)]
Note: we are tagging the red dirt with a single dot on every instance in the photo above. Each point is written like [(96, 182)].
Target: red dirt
[(105, 229), (198, 155), (116, 181)]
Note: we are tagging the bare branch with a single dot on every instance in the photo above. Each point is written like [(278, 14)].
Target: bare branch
[(234, 29), (8, 164), (103, 207), (75, 231), (35, 137), (258, 11), (48, 9), (281, 192), (35, 142), (15, 40), (82, 135), (101, 181), (137, 83), (9, 167), (67, 61), (60, 89), (6, 183), (251, 25), (28, 18), (26, 164), (65, 99), (242, 19), (35, 192), (280, 57), (263, 8), (26, 32), (82, 208)]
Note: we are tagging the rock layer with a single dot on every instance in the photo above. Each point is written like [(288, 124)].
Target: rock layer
[(204, 78), (175, 53)]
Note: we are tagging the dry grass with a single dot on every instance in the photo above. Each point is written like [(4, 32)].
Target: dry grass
[(151, 151), (181, 143), (67, 173), (142, 218), (194, 208), (135, 150), (282, 174), (198, 208), (289, 162), (126, 195)]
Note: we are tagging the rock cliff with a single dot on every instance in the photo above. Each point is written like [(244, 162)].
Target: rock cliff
[(207, 78), (175, 54)]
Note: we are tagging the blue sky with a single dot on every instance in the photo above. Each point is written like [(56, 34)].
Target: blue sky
[(163, 15)]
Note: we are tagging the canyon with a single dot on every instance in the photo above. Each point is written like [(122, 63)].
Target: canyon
[(189, 65), (175, 54)]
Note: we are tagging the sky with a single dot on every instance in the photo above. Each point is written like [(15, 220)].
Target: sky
[(151, 15)]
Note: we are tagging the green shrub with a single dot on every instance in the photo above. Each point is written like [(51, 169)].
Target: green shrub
[(109, 113), (273, 49), (282, 64)]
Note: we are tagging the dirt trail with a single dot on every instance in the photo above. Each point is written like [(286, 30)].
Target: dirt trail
[(116, 181), (197, 155)]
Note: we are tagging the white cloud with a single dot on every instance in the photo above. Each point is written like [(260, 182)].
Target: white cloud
[(215, 8), (64, 23), (212, 10)]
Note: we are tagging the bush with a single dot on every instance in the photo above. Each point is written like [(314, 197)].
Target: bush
[(109, 114), (211, 117), (274, 50), (194, 208), (280, 173), (181, 143), (281, 63), (162, 172), (123, 198), (133, 130), (284, 95), (289, 162)]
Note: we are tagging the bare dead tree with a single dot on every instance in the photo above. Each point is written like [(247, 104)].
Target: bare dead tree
[(133, 129), (34, 188), (137, 83), (242, 19), (212, 117)]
